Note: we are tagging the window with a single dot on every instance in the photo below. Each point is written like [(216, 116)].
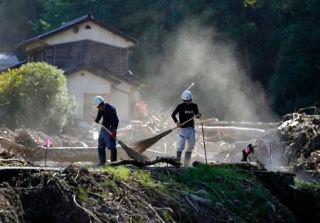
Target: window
[(31, 56), (49, 55)]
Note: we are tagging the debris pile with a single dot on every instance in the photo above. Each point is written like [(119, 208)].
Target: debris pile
[(160, 194), (221, 137), (29, 145), (300, 134), (224, 140)]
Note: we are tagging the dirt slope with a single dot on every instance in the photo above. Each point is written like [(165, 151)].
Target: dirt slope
[(127, 194)]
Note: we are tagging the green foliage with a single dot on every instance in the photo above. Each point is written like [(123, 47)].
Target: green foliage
[(144, 178), (119, 173), (307, 185), (83, 194), (137, 219), (249, 2), (55, 12), (20, 15), (167, 216), (237, 191), (123, 173), (35, 96), (225, 188), (294, 83)]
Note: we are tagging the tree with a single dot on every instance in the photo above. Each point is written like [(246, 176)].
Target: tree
[(294, 83), (35, 96), (20, 15)]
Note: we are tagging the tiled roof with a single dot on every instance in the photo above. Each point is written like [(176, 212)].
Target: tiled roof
[(9, 61), (70, 24)]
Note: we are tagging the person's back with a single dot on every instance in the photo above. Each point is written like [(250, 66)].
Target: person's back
[(186, 111)]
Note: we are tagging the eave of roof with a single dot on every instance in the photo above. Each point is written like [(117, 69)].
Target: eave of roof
[(106, 74), (13, 66), (70, 24)]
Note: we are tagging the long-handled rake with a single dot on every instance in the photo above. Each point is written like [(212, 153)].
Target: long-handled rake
[(131, 152), (144, 144)]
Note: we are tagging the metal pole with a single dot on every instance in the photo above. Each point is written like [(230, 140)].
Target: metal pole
[(270, 156), (45, 158), (204, 144)]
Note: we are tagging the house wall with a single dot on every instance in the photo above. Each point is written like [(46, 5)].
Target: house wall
[(70, 55), (80, 32), (83, 83), (121, 101), (86, 45)]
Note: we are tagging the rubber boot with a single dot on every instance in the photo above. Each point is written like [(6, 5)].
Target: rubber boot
[(187, 157), (244, 156), (179, 156), (102, 156), (113, 155)]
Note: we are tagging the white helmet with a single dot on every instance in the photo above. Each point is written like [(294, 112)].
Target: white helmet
[(98, 100), (186, 95)]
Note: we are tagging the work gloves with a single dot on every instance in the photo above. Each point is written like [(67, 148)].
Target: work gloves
[(114, 134)]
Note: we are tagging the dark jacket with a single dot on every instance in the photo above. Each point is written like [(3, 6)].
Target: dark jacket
[(110, 117)]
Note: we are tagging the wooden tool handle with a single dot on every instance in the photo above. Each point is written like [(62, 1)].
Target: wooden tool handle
[(105, 128), (184, 122)]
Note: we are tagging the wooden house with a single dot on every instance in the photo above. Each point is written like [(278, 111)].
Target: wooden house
[(94, 57)]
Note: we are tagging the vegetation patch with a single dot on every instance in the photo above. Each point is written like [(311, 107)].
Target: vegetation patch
[(119, 173), (228, 186), (315, 186)]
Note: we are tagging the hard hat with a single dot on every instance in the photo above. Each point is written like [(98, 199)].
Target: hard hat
[(98, 100), (186, 95)]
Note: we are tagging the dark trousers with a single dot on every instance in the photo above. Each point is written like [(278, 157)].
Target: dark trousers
[(106, 140), (245, 156)]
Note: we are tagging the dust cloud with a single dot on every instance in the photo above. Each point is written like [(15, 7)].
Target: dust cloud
[(198, 54)]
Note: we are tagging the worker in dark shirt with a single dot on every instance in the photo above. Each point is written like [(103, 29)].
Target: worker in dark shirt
[(110, 121), (186, 111)]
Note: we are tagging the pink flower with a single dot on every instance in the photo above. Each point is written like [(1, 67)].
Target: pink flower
[(47, 142)]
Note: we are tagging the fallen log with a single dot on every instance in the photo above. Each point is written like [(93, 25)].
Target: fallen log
[(169, 160), (240, 165)]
